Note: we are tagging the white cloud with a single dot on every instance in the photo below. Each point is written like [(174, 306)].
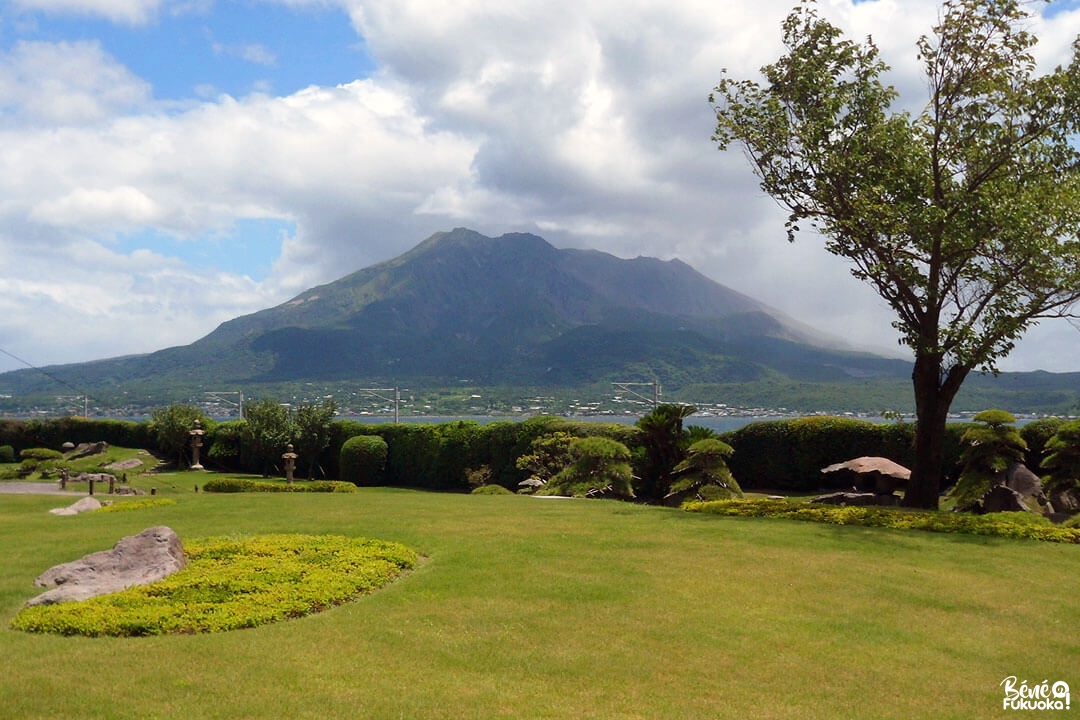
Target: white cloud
[(583, 120), (65, 83), (131, 12), (254, 53)]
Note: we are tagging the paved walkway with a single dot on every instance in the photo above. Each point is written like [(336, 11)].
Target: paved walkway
[(34, 488)]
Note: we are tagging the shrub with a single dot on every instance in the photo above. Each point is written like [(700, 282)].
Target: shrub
[(1036, 434), (491, 490), (789, 454), (140, 504), (233, 583), (239, 485), (1008, 525), (363, 459), (601, 466), (704, 472), (7, 454), (1063, 462), (41, 454), (989, 450)]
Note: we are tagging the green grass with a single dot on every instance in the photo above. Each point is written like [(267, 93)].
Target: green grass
[(533, 608)]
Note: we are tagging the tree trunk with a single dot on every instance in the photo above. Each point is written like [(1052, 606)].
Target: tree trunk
[(934, 394)]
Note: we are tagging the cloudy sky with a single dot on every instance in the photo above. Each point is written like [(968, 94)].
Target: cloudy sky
[(166, 165)]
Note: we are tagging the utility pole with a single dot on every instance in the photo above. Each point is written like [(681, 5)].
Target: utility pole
[(655, 385), (217, 395), (394, 398)]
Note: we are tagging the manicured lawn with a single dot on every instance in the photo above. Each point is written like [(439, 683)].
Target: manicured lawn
[(532, 608)]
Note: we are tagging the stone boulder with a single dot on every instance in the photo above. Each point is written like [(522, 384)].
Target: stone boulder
[(85, 504), (96, 477), (139, 559), (857, 498), (87, 449), (1066, 500), (1002, 498), (1015, 490)]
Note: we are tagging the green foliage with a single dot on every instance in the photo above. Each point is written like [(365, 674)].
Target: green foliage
[(461, 446), (226, 445), (233, 583), (704, 472), (789, 454), (265, 432), (600, 467), (363, 459), (41, 454), (1063, 462), (42, 460), (241, 485), (7, 454), (989, 450), (548, 456), (171, 428), (138, 504), (491, 490), (663, 443), (312, 431), (1007, 525), (1036, 434), (963, 217)]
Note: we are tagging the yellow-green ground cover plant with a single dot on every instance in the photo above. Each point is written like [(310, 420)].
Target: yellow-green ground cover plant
[(1006, 525), (233, 583)]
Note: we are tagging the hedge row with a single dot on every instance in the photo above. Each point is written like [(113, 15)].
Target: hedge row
[(783, 455), (438, 456), (52, 433), (239, 485)]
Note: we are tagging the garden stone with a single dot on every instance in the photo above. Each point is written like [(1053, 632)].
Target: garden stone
[(846, 498), (1002, 498), (1066, 500), (139, 559), (88, 449), (85, 504)]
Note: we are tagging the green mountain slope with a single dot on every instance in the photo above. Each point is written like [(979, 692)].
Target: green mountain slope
[(511, 310)]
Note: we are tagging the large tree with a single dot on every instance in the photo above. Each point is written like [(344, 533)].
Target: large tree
[(312, 431), (964, 217)]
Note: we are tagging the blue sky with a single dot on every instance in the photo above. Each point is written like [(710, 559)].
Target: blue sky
[(231, 47), (167, 165)]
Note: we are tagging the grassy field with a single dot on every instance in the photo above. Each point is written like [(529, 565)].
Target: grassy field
[(533, 608)]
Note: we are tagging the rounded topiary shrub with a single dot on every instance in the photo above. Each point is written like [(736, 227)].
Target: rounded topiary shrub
[(362, 459), (41, 454), (491, 490), (7, 454)]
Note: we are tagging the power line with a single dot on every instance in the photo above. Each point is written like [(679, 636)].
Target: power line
[(85, 396)]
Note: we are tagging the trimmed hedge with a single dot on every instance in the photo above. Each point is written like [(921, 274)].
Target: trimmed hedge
[(789, 454), (240, 485), (53, 433), (1007, 525), (233, 583)]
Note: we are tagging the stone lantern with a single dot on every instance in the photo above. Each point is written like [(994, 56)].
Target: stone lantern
[(196, 443), (290, 463)]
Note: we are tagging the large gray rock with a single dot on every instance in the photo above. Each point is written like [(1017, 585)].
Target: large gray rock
[(88, 449), (1002, 498), (1066, 500), (82, 505), (856, 498), (136, 560)]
